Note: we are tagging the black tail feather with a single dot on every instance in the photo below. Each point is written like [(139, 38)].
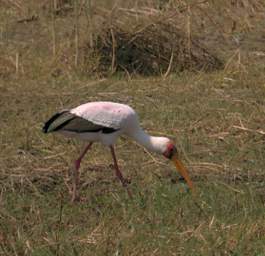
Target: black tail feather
[(46, 126)]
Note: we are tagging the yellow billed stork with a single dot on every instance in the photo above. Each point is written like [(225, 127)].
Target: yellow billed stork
[(104, 122)]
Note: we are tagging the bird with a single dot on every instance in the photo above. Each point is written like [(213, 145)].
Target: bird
[(105, 122)]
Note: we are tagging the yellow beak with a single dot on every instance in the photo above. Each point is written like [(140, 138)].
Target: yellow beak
[(182, 170)]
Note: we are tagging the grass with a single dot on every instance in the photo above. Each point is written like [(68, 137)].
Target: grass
[(216, 120), (225, 217)]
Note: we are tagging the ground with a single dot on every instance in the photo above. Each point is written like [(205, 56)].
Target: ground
[(216, 120)]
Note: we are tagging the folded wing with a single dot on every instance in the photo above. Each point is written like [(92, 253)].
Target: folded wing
[(67, 121)]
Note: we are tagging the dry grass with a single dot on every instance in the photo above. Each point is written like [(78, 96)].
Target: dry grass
[(216, 119), (59, 32)]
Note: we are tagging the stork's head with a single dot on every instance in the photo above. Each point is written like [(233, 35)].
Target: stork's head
[(171, 153)]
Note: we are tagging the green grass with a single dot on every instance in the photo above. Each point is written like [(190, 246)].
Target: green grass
[(160, 219), (226, 217)]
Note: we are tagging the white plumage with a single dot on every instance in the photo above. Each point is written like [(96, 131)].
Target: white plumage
[(119, 117), (109, 114), (104, 122)]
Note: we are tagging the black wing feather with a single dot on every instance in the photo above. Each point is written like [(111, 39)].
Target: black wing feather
[(46, 128), (66, 121)]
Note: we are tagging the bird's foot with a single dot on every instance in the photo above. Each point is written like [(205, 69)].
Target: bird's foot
[(126, 181), (75, 198)]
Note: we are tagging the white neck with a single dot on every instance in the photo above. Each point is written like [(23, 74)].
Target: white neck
[(152, 143)]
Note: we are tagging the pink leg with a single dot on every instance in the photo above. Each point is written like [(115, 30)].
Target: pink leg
[(118, 172), (76, 172)]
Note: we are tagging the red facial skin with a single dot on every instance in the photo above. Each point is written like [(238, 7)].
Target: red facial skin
[(170, 151)]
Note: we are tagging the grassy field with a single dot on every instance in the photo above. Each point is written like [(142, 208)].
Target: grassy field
[(216, 119)]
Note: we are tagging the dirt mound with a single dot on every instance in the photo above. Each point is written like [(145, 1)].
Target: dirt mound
[(149, 44)]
